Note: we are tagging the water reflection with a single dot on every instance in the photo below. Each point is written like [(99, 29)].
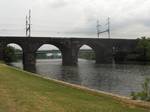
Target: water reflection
[(119, 79)]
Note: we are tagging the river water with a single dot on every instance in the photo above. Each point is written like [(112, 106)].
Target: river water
[(120, 79)]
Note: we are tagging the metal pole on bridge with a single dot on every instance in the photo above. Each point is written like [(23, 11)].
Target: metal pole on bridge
[(28, 25), (104, 31), (98, 28), (108, 27)]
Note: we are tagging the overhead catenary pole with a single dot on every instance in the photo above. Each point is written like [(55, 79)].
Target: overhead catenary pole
[(28, 25), (109, 27), (98, 28), (107, 30)]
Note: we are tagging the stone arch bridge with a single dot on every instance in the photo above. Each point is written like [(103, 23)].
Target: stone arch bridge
[(69, 47)]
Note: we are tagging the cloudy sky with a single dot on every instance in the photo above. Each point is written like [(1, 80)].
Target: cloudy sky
[(76, 18)]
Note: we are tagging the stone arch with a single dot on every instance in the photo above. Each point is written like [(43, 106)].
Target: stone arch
[(18, 50), (15, 43), (89, 49), (52, 48), (58, 46), (103, 54)]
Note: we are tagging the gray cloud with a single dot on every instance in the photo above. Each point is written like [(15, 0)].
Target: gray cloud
[(58, 3), (77, 17)]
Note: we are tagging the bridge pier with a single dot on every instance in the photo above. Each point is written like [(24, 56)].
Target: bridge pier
[(103, 57), (2, 46), (1, 54), (29, 61), (69, 57)]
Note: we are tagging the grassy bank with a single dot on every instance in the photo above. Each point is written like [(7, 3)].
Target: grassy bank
[(23, 92)]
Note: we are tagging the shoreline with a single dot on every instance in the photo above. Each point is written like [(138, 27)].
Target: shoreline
[(121, 98)]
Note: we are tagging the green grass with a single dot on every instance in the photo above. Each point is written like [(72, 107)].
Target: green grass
[(23, 92)]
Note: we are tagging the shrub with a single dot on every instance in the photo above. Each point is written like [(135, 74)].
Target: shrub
[(145, 93), (9, 54)]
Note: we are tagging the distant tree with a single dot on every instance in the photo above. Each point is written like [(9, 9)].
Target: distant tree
[(9, 54), (87, 55), (143, 48)]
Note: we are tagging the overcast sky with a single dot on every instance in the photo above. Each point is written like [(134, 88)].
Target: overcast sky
[(129, 18)]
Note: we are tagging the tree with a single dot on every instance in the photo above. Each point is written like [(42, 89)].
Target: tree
[(145, 93), (9, 54), (143, 48)]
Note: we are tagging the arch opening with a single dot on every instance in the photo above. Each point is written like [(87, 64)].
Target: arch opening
[(48, 53), (13, 54), (86, 52)]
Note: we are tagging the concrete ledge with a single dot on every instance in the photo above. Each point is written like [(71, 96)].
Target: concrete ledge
[(126, 100)]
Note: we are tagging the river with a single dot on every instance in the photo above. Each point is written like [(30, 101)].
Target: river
[(120, 79)]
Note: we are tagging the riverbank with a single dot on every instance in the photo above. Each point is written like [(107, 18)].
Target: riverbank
[(23, 92)]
